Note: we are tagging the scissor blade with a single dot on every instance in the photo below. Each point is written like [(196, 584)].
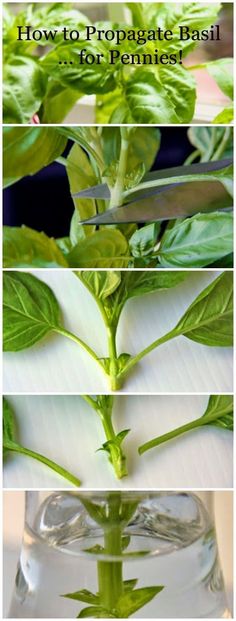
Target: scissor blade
[(173, 201), (101, 191)]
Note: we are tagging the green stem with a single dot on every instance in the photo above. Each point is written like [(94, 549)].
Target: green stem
[(116, 455), (110, 581), (198, 422), (192, 157), (168, 436), (117, 190), (114, 368), (44, 460), (221, 148), (167, 337), (79, 341)]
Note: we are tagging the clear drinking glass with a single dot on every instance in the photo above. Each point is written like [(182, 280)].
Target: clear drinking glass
[(119, 554)]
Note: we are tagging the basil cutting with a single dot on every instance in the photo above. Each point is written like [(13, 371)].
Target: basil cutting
[(31, 312)]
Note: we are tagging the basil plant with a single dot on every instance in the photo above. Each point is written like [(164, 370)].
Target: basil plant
[(45, 77), (119, 159)]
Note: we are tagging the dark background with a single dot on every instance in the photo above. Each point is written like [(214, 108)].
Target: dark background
[(43, 201)]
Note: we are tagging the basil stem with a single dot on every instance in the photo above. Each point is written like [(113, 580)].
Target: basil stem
[(16, 448), (207, 419), (113, 444)]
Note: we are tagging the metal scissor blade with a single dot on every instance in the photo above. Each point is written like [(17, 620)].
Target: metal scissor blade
[(96, 191), (173, 201), (101, 191)]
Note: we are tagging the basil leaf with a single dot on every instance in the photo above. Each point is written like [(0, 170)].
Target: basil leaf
[(58, 103), (83, 596), (222, 72), (209, 319), (25, 247), (105, 248), (100, 284), (109, 104), (87, 138), (89, 79), (132, 601), (128, 585), (212, 143), (30, 310), (225, 116), (197, 241), (144, 143), (95, 612), (81, 176), (143, 241), (24, 88), (180, 86), (148, 100), (28, 149), (167, 15), (222, 407), (142, 282)]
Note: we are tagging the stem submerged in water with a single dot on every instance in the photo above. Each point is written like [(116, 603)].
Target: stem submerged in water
[(110, 579)]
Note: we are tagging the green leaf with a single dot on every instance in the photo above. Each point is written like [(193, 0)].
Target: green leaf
[(180, 86), (225, 116), (100, 284), (83, 596), (24, 247), (8, 422), (122, 361), (167, 15), (143, 241), (81, 176), (142, 282), (30, 310), (28, 149), (85, 78), (144, 143), (58, 103), (221, 407), (24, 88), (132, 601), (116, 455), (97, 549), (55, 15), (222, 72), (128, 585), (212, 143), (197, 241), (95, 612), (148, 100), (107, 103), (105, 248), (87, 138), (209, 319)]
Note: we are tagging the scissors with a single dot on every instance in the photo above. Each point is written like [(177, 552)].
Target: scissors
[(170, 200)]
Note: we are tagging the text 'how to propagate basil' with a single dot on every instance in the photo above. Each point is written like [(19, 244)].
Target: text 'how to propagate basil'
[(123, 45)]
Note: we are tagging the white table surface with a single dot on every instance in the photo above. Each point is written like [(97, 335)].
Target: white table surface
[(68, 431), (58, 365)]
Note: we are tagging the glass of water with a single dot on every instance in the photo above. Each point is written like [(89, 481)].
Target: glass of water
[(119, 555)]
